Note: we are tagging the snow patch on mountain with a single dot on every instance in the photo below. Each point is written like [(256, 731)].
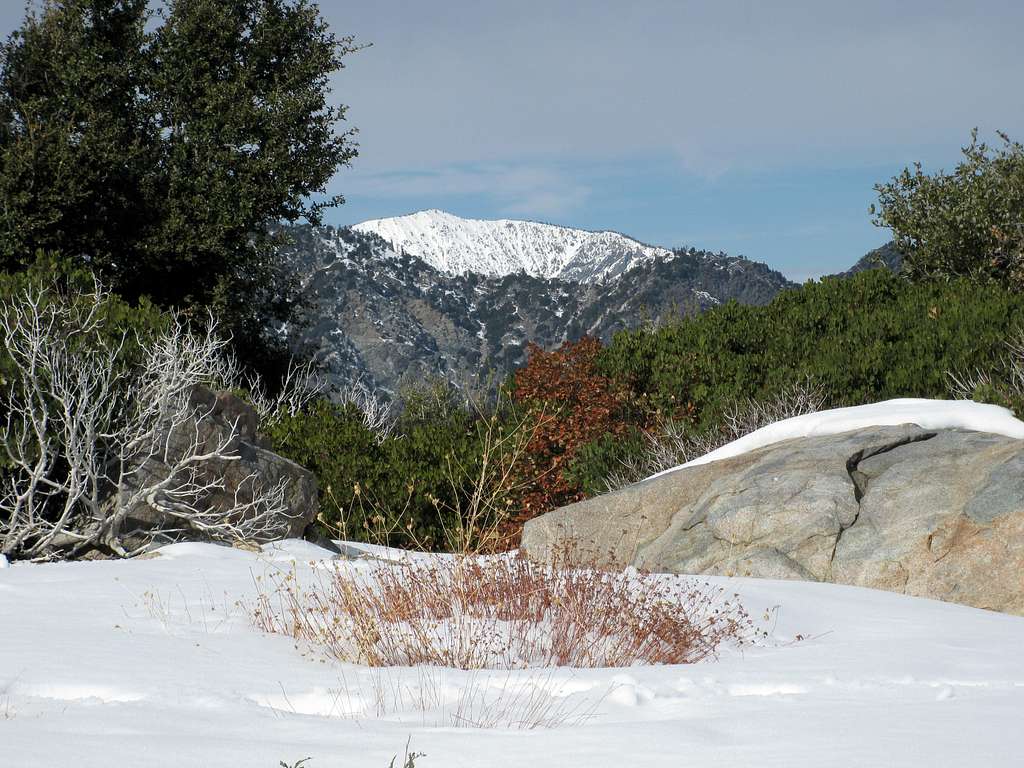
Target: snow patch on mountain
[(456, 246)]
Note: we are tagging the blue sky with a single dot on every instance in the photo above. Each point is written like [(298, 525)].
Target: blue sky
[(756, 128)]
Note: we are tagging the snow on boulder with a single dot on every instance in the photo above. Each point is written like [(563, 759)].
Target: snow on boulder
[(914, 496), (927, 414)]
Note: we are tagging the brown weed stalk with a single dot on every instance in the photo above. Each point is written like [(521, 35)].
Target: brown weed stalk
[(502, 612)]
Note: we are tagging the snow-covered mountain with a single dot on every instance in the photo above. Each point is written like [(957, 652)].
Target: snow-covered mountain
[(386, 316), (456, 246), (405, 299)]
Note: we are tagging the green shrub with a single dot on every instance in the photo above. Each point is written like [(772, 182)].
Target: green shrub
[(332, 442), (867, 338), (603, 458), (966, 223), (862, 339), (409, 487)]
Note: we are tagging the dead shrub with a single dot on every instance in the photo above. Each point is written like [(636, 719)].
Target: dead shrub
[(503, 612)]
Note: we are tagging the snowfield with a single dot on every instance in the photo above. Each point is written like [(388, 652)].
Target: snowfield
[(454, 245), (154, 663)]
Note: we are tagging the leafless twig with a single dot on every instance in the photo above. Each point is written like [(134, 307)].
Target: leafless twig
[(90, 439)]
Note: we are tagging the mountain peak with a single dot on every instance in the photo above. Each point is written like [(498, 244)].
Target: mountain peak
[(455, 245)]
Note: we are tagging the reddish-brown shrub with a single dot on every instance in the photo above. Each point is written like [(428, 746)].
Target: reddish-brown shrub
[(503, 612), (578, 405)]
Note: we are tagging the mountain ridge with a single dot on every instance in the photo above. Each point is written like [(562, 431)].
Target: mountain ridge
[(498, 247), (386, 317)]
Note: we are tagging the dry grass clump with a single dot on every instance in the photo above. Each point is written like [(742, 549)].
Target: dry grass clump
[(1002, 382), (521, 700), (503, 612)]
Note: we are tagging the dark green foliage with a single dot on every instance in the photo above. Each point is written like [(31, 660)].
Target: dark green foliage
[(966, 223), (75, 135), (331, 441), (603, 458), (119, 319), (862, 339), (400, 489), (866, 338), (158, 156)]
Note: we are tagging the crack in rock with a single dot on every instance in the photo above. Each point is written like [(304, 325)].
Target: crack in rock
[(860, 480)]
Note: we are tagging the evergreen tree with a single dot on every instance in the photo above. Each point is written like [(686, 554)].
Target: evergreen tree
[(968, 223), (76, 135), (161, 148)]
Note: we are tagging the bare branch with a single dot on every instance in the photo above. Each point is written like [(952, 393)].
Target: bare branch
[(1007, 374), (302, 384), (378, 415), (90, 441)]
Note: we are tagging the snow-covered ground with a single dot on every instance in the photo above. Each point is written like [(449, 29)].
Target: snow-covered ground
[(153, 663)]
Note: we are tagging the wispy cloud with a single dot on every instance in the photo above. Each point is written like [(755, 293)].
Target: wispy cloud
[(726, 87), (511, 189), (749, 126)]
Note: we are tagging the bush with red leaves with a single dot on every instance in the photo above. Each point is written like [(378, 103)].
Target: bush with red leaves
[(573, 405)]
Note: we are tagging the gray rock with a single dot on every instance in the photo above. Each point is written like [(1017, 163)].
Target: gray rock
[(257, 467), (931, 514)]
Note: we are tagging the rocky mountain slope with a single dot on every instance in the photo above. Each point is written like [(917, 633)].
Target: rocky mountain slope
[(386, 316), (883, 257)]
